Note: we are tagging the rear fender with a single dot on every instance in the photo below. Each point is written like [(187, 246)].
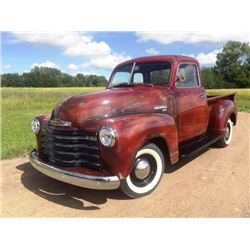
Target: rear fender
[(132, 132), (220, 112)]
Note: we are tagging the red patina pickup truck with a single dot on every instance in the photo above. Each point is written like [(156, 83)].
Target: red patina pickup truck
[(153, 112)]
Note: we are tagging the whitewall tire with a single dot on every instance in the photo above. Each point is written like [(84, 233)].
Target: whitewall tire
[(146, 173), (226, 140)]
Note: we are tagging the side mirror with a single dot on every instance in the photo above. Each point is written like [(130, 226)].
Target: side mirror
[(180, 77)]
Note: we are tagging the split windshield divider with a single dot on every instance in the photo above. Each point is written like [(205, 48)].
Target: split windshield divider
[(131, 73)]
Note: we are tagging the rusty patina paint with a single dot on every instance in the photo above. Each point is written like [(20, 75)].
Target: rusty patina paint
[(88, 107)]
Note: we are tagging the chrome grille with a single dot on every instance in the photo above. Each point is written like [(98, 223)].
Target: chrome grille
[(70, 148)]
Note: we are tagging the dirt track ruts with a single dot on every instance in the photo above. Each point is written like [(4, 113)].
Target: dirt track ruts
[(215, 183)]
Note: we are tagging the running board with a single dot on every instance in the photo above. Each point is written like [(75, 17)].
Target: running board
[(194, 147)]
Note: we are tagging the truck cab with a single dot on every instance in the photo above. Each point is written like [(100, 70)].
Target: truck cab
[(153, 112)]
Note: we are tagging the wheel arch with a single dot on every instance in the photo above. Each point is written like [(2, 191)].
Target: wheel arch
[(220, 112), (163, 146), (233, 118), (134, 131)]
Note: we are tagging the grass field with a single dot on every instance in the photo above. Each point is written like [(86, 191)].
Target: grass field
[(20, 105)]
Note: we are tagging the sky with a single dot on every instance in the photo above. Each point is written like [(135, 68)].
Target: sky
[(99, 52)]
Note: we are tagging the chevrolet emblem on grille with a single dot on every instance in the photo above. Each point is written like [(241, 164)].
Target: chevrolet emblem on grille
[(59, 123)]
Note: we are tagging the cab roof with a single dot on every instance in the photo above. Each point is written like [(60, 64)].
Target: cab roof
[(168, 58)]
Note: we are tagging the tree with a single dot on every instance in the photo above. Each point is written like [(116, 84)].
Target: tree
[(50, 77), (11, 80), (233, 63), (209, 78), (213, 80)]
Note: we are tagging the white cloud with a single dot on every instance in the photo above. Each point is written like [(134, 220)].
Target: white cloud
[(89, 49), (60, 40), (191, 37), (73, 67), (73, 43), (109, 61), (47, 64), (152, 51), (99, 54), (6, 66), (209, 58)]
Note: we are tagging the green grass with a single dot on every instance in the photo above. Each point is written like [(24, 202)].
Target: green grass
[(20, 105)]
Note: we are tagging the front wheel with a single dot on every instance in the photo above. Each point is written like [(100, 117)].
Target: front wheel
[(225, 140), (146, 173)]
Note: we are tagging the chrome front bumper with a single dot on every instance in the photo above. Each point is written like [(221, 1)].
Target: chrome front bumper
[(81, 180)]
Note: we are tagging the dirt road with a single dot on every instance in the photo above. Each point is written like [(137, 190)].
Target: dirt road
[(216, 183)]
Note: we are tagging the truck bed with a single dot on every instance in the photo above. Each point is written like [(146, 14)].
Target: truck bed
[(214, 98)]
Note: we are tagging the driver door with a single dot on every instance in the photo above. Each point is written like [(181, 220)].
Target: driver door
[(191, 103)]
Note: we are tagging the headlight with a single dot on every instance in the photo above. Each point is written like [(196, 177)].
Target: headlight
[(35, 125), (107, 136)]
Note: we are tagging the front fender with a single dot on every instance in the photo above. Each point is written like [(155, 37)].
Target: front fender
[(132, 132), (220, 112)]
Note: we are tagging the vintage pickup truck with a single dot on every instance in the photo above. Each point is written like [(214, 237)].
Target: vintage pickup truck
[(153, 112)]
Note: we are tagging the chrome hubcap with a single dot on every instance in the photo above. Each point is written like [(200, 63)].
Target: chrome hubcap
[(142, 169)]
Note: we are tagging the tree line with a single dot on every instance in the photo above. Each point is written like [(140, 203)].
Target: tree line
[(50, 77), (232, 67), (231, 70)]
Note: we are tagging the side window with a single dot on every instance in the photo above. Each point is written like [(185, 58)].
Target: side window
[(188, 76), (137, 78)]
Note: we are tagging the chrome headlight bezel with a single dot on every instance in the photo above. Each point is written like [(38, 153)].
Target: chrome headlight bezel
[(35, 126), (107, 136)]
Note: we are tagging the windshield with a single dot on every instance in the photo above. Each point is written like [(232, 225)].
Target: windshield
[(139, 73)]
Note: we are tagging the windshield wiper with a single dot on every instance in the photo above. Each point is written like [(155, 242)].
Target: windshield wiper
[(124, 84), (134, 84), (157, 83)]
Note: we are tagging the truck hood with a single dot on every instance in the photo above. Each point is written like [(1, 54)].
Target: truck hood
[(83, 108)]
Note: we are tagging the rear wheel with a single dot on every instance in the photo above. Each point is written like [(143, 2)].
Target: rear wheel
[(225, 140), (146, 173)]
